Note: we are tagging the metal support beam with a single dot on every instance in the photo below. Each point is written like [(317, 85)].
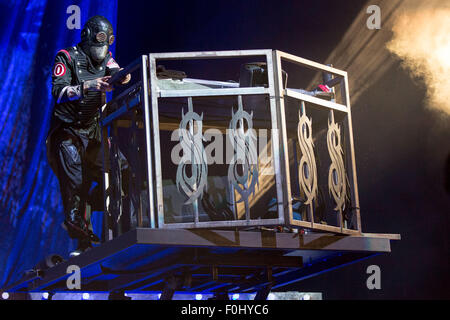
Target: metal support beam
[(263, 293), (170, 286)]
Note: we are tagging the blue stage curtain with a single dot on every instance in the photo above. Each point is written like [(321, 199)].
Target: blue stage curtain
[(31, 32)]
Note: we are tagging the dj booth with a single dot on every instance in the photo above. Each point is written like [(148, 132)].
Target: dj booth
[(221, 186), (272, 177)]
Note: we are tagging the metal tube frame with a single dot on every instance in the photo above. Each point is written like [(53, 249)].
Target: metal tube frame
[(332, 106), (140, 93), (276, 94), (269, 91)]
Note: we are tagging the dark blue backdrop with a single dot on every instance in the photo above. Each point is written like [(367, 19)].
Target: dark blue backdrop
[(31, 32)]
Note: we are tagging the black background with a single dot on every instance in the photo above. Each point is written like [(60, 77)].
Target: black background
[(401, 147)]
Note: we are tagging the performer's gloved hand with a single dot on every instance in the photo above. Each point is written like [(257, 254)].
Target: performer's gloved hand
[(99, 84), (126, 79)]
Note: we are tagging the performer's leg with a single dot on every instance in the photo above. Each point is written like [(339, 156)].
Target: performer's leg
[(93, 173), (70, 176)]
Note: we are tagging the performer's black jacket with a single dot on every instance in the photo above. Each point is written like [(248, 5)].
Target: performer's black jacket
[(72, 67)]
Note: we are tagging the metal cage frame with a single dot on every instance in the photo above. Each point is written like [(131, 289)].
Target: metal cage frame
[(269, 92), (149, 93), (341, 78)]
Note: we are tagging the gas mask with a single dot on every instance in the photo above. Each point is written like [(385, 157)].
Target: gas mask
[(96, 37)]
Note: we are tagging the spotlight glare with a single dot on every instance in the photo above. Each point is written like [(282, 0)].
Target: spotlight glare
[(306, 297), (45, 295), (159, 296), (5, 295), (235, 296), (85, 296), (198, 296)]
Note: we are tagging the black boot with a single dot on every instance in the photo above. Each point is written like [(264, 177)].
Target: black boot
[(75, 225), (93, 237), (83, 245)]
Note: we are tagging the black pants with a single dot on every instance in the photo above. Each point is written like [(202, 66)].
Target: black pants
[(75, 155)]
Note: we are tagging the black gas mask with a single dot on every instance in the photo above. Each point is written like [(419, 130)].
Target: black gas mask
[(96, 37)]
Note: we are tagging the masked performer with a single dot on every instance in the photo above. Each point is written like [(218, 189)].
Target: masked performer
[(79, 81)]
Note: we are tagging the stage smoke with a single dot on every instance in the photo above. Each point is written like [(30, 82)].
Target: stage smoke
[(421, 38)]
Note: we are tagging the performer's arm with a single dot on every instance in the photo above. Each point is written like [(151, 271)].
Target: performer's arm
[(112, 67), (62, 88)]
